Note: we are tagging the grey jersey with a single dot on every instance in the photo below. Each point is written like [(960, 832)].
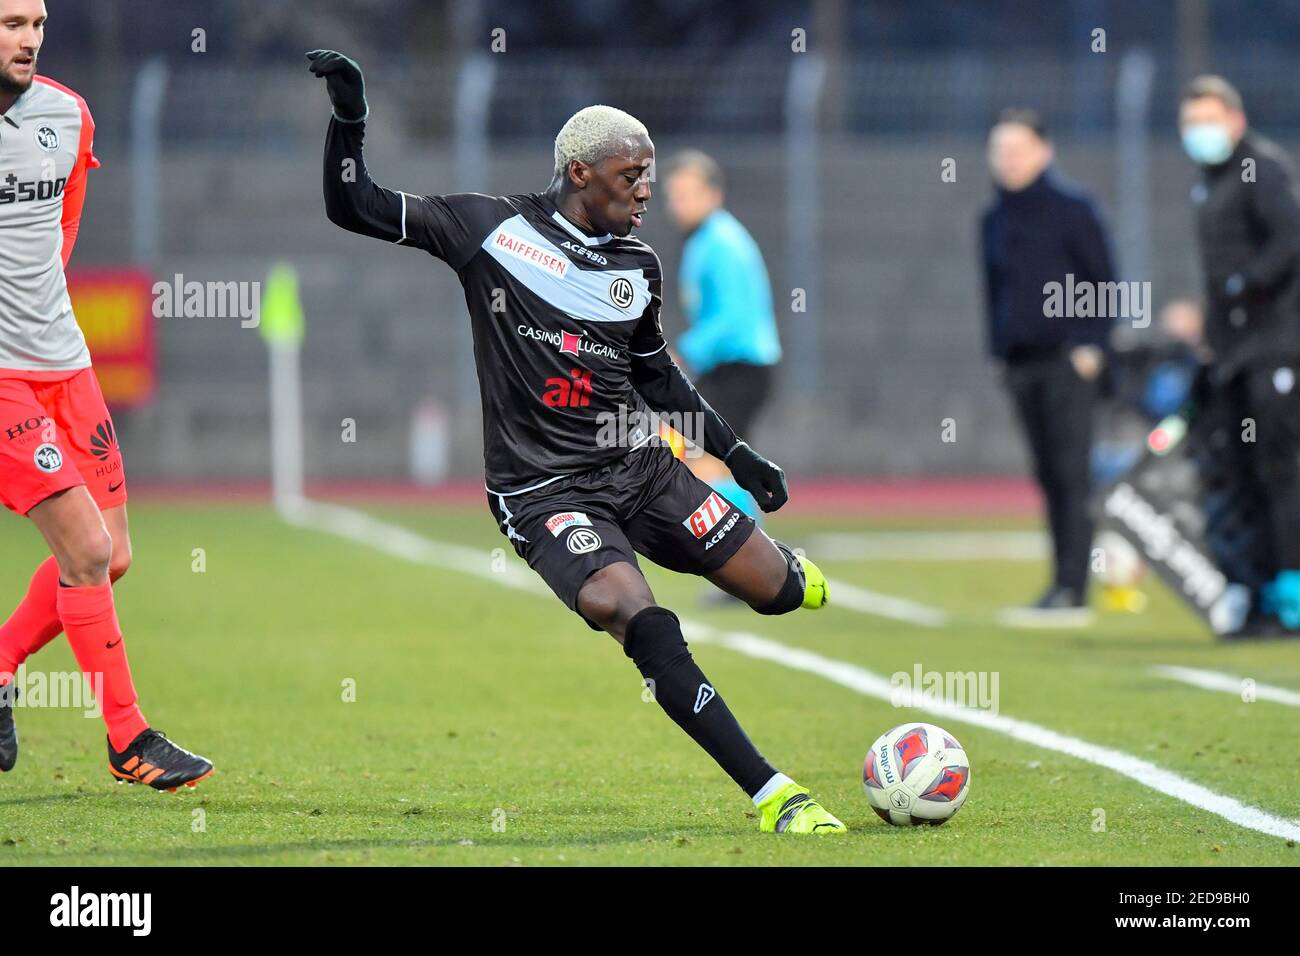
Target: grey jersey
[(46, 148)]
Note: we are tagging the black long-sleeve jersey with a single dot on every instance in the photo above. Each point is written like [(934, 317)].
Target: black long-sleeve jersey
[(567, 337)]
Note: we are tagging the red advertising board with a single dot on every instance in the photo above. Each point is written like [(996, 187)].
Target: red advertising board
[(114, 308)]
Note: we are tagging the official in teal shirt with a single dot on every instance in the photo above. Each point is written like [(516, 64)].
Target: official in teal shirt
[(727, 297), (731, 346)]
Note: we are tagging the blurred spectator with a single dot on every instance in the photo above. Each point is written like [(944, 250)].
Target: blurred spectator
[(731, 347), (1040, 231), (1248, 227)]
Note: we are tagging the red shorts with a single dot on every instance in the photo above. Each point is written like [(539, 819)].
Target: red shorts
[(55, 434)]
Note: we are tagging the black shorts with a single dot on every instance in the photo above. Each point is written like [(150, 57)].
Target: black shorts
[(646, 503)]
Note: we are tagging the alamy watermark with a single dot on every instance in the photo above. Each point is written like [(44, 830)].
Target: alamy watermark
[(632, 427), (61, 689), (1098, 300), (975, 689), (181, 299)]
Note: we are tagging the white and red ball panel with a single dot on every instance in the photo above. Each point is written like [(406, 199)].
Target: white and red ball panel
[(916, 773)]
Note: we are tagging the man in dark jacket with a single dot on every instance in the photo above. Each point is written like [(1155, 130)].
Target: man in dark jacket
[(1043, 242), (1248, 228)]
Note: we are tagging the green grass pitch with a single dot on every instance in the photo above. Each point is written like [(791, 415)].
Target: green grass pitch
[(491, 727)]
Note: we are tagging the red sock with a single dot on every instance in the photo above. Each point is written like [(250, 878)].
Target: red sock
[(34, 623), (90, 619)]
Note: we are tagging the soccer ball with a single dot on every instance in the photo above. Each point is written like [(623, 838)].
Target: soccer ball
[(1120, 564), (916, 773)]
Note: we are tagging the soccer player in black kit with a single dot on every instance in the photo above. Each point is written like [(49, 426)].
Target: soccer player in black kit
[(564, 305)]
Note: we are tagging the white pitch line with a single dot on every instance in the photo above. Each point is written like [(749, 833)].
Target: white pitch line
[(884, 605), (1216, 680), (399, 542), (930, 546)]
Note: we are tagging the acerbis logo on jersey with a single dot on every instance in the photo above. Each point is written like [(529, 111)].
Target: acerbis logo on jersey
[(556, 523), (621, 293), (530, 253), (583, 540), (583, 251), (48, 459), (47, 138), (707, 515), (703, 695)]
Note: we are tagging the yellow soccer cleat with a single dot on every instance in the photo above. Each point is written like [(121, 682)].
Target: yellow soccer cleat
[(817, 590), (792, 810)]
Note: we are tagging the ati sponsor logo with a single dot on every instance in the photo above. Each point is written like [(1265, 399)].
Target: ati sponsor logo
[(12, 190), (570, 343), (534, 255), (557, 523), (586, 253), (24, 428), (707, 515), (103, 441), (566, 393)]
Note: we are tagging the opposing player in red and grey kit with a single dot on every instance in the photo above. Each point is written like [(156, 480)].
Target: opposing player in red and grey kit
[(564, 305), (59, 460)]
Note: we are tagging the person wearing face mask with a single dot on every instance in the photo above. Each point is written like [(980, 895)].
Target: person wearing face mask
[(1248, 230), (1041, 232)]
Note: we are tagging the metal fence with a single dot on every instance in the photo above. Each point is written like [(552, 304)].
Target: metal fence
[(833, 164)]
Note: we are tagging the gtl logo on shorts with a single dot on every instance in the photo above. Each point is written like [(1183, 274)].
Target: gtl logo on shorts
[(707, 515)]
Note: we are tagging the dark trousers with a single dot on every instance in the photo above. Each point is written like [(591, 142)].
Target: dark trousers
[(736, 391), (1270, 397), (1055, 408)]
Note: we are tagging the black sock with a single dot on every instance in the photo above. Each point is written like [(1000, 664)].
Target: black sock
[(654, 642), (790, 597)]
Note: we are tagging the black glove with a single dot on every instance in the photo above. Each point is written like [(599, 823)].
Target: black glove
[(758, 476), (343, 80)]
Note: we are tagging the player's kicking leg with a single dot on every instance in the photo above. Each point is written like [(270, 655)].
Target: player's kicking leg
[(618, 599), (82, 547), (771, 578)]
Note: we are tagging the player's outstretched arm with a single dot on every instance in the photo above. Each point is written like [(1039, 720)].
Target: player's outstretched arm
[(665, 387), (352, 199)]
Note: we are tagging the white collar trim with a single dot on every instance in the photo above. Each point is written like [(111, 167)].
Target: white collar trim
[(577, 233)]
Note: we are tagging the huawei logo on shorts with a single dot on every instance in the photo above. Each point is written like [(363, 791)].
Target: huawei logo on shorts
[(103, 442)]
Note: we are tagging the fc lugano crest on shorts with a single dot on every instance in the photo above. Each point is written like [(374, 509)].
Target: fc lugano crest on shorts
[(55, 434), (645, 503)]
